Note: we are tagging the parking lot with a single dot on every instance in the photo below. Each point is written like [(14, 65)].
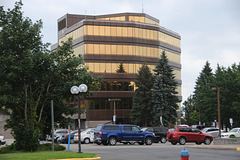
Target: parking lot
[(157, 151), (165, 151)]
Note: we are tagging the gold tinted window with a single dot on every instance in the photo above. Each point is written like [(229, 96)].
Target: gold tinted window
[(119, 49), (102, 49), (108, 49), (114, 49), (96, 48), (108, 67), (101, 30), (107, 30), (113, 31), (119, 31)]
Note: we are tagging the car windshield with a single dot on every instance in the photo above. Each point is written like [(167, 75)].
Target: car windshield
[(98, 128), (144, 129), (234, 130), (205, 130)]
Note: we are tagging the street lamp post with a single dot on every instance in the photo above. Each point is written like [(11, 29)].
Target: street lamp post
[(114, 109), (75, 90), (219, 116)]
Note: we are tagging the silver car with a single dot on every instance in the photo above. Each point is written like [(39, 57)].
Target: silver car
[(59, 134), (86, 136), (212, 131)]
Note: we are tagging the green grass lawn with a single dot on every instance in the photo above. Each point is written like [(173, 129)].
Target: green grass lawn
[(45, 155)]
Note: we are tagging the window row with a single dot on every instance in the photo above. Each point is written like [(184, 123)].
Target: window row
[(120, 32), (129, 50), (117, 86), (121, 18), (169, 39), (140, 19), (74, 35), (128, 68), (105, 104)]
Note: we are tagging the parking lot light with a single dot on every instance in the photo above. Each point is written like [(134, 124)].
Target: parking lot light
[(75, 90)]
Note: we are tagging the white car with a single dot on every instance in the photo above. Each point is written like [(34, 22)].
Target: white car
[(86, 136), (212, 131), (235, 132), (2, 140)]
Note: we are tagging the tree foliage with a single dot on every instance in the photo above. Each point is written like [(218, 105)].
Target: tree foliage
[(164, 92), (206, 99), (204, 95), (141, 109), (31, 76)]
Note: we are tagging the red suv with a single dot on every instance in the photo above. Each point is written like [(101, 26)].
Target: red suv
[(182, 135)]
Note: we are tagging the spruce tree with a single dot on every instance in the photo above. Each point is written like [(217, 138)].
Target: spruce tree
[(141, 109), (165, 77), (204, 95)]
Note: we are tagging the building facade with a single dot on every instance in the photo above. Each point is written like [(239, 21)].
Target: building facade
[(108, 42)]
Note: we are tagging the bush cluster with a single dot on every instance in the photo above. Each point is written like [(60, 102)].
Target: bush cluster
[(42, 147)]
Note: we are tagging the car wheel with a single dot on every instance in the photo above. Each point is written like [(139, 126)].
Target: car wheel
[(163, 140), (182, 140), (173, 142), (58, 141), (98, 143), (86, 141), (112, 141), (207, 141), (232, 136), (198, 143), (148, 141)]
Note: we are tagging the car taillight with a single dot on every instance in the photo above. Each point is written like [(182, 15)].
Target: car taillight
[(66, 135), (100, 133), (76, 135), (3, 138)]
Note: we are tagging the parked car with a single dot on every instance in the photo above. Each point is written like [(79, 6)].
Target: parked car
[(212, 131), (182, 135), (200, 127), (181, 125), (86, 136), (2, 140), (111, 134), (160, 133), (59, 134), (64, 139), (233, 133)]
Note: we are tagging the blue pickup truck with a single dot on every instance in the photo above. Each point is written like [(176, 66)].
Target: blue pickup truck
[(111, 134)]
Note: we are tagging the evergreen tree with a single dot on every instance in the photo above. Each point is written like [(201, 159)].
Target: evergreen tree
[(226, 79), (141, 109), (204, 96), (169, 93), (191, 113), (121, 69)]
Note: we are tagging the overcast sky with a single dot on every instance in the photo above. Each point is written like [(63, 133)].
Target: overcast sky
[(209, 29)]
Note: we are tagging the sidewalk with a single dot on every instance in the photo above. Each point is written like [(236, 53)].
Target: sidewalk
[(216, 147)]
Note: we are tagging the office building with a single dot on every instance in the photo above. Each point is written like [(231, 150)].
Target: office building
[(107, 42)]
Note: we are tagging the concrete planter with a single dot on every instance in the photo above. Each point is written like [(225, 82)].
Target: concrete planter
[(221, 141)]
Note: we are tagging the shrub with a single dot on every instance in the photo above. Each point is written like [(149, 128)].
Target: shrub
[(42, 147)]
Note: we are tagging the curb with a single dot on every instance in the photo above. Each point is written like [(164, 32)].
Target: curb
[(81, 158)]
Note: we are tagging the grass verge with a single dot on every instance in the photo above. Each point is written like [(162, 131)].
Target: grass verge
[(45, 155)]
